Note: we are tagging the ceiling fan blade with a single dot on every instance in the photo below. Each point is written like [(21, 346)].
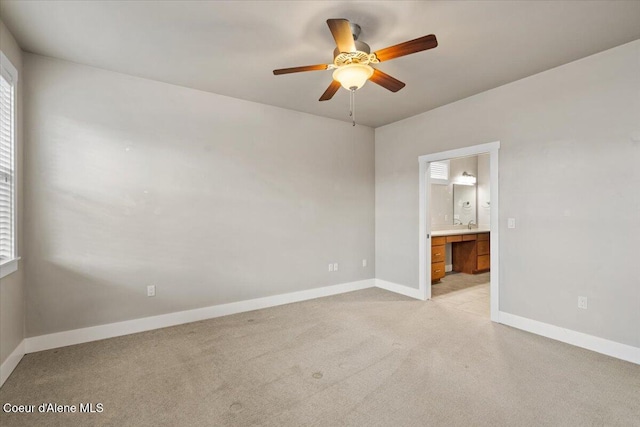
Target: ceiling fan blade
[(407, 48), (300, 69), (386, 81), (341, 31), (331, 90)]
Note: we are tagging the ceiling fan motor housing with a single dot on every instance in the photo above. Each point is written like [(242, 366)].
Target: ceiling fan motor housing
[(362, 55)]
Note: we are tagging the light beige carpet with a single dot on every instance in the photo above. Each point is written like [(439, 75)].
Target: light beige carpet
[(367, 358)]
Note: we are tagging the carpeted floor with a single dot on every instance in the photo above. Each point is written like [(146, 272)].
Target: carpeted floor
[(366, 358)]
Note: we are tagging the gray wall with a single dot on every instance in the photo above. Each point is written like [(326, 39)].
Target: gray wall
[(569, 173), (212, 199), (12, 287)]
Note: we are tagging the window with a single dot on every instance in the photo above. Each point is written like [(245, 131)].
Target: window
[(8, 80), (440, 172)]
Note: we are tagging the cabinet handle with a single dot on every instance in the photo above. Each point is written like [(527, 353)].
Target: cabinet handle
[(438, 271), (438, 254)]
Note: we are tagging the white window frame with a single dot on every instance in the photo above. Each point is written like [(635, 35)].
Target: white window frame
[(10, 73), (442, 181)]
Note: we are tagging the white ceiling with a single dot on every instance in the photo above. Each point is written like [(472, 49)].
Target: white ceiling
[(230, 48)]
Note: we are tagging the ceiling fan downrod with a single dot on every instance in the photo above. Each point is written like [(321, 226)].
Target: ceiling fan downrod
[(352, 105)]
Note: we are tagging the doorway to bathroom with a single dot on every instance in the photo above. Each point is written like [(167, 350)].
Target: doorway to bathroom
[(459, 229)]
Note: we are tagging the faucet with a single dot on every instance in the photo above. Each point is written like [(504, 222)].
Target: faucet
[(471, 222)]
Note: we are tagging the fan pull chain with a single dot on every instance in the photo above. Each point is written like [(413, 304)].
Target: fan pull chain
[(352, 106)]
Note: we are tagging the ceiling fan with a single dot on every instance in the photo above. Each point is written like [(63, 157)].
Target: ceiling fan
[(352, 59)]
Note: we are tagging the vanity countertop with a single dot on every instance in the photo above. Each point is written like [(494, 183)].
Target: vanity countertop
[(439, 233)]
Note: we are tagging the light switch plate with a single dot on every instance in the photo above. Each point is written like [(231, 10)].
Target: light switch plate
[(511, 223)]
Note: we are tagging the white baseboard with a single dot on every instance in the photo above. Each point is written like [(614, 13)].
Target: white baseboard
[(579, 339), (94, 333), (11, 362), (399, 289), (448, 268)]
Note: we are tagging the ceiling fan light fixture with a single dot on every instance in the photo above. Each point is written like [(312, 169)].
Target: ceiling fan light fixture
[(353, 76)]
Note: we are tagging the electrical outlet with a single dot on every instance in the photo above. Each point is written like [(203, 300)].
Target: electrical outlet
[(151, 290), (364, 262), (582, 303), (511, 223), (335, 266), (330, 267)]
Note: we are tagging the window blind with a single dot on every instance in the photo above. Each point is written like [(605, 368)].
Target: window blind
[(7, 170), (440, 172)]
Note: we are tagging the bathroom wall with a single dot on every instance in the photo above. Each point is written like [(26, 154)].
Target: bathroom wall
[(441, 208)]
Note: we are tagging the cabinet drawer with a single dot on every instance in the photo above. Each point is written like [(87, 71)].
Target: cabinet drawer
[(437, 241), (437, 270), (483, 236), (437, 253), (484, 262), (469, 237), (457, 238), (483, 247)]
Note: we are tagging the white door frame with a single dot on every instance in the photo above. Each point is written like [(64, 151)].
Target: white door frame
[(424, 250)]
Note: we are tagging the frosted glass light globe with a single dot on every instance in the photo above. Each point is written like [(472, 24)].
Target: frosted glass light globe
[(353, 75)]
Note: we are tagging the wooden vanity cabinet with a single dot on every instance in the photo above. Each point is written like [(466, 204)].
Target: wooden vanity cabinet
[(483, 253), (438, 247), (471, 253)]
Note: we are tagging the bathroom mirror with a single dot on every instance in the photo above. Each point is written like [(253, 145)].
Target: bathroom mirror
[(464, 204)]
